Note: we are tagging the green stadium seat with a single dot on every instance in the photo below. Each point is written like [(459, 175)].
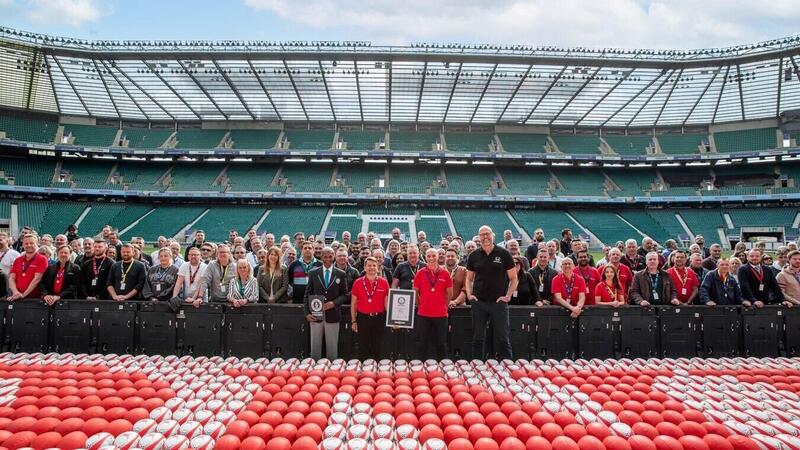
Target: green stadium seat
[(360, 176), (434, 228), (577, 144), (605, 225), (195, 177), (29, 130), (118, 215), (309, 139), (746, 140), (680, 144), (705, 222), (141, 175), (550, 221), (340, 224), (249, 178), (362, 140), (523, 142), (90, 135), (407, 179), (762, 217), (220, 219), (469, 221), (629, 145), (288, 220), (525, 181), (580, 182), (475, 179), (254, 139), (198, 138), (469, 142), (29, 172), (163, 221), (413, 141), (309, 178), (146, 137), (87, 174)]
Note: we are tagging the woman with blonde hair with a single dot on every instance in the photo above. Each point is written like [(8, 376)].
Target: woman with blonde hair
[(243, 287), (273, 278)]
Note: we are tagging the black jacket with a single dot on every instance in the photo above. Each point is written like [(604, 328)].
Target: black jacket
[(527, 291), (712, 290), (69, 287), (336, 292), (749, 283), (546, 276)]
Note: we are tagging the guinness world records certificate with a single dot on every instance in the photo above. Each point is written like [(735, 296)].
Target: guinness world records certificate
[(401, 311)]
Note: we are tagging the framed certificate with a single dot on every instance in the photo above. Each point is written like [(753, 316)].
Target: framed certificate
[(401, 308), (316, 306)]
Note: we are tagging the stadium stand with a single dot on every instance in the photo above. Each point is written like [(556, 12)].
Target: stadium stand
[(745, 140), (31, 130), (645, 223), (473, 179), (141, 175), (31, 213), (418, 141), (628, 145), (666, 219), (468, 221), (435, 228), (530, 180), (164, 220), (309, 139), (86, 174), (522, 142), (360, 177), (194, 177), (469, 142), (146, 137), (577, 144), (340, 224), (91, 135), (762, 217), (249, 178), (59, 216), (606, 225), (254, 139), (361, 140), (5, 209), (288, 220), (118, 216), (677, 144), (631, 183), (581, 182), (28, 172), (414, 179), (550, 221), (220, 219), (705, 222), (198, 138), (309, 178)]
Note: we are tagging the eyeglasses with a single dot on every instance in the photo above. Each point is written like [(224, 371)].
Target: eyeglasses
[(205, 249)]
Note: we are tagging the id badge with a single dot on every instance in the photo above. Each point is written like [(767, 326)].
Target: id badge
[(94, 282), (514, 294), (158, 287), (655, 295), (761, 287), (541, 288), (683, 291), (223, 288), (122, 286)]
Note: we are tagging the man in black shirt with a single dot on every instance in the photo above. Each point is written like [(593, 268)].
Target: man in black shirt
[(566, 242), (126, 280), (94, 273), (403, 277), (199, 239), (491, 281), (758, 282)]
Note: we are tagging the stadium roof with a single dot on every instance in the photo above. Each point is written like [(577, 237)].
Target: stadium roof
[(423, 83)]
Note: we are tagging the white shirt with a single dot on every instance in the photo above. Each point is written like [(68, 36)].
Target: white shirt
[(7, 259), (252, 259), (189, 288)]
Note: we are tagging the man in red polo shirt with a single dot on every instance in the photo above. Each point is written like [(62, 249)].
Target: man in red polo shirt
[(569, 289), (27, 270), (685, 280), (434, 286), (589, 274), (623, 271)]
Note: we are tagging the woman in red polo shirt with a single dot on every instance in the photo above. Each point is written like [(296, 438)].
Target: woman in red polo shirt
[(569, 290), (434, 286), (368, 302), (609, 291)]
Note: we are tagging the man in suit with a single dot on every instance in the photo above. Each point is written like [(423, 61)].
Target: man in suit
[(653, 286), (789, 279), (331, 283), (758, 282)]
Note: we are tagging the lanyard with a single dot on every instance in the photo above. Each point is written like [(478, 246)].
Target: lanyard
[(25, 267), (683, 278), (95, 268), (654, 281), (611, 293), (569, 287), (371, 293), (758, 273), (60, 272), (412, 269), (585, 276), (240, 286), (125, 272), (432, 281), (161, 273), (192, 276), (223, 272), (453, 272)]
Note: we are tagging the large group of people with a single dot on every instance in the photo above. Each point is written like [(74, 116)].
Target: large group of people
[(484, 273)]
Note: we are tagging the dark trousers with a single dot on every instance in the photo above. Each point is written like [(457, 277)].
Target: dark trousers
[(371, 331), (432, 337), (496, 314)]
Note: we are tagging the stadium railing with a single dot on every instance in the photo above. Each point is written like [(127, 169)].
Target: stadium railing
[(281, 331)]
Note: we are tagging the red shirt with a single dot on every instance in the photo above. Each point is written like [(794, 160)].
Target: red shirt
[(371, 296), (591, 276), (432, 288), (569, 290), (624, 273), (58, 284), (608, 294), (685, 282), (25, 271)]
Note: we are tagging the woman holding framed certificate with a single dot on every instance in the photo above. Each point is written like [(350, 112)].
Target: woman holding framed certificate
[(368, 310)]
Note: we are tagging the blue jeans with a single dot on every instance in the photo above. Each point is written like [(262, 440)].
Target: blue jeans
[(497, 315)]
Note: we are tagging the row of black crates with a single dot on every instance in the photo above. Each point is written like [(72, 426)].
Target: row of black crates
[(81, 326)]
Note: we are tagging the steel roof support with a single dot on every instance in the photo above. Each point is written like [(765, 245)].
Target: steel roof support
[(202, 89), (358, 92), (741, 93), (69, 81), (721, 90), (653, 94), (621, 108), (108, 91), (669, 94), (601, 100), (699, 98), (169, 86), (452, 91), (125, 90), (294, 86), (327, 92), (544, 94), (780, 86), (514, 93), (264, 88), (421, 88), (136, 85), (233, 88), (52, 83), (483, 93), (580, 89)]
